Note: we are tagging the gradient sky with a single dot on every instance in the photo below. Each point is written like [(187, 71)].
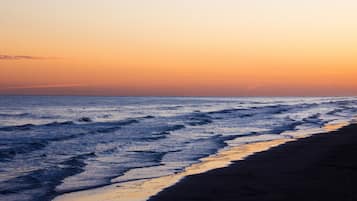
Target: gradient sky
[(179, 47)]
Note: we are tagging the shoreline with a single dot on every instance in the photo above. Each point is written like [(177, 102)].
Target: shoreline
[(141, 190), (319, 167)]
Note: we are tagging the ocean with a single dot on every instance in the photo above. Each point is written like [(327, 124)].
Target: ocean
[(52, 145)]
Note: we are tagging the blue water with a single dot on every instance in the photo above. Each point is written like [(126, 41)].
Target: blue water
[(55, 145)]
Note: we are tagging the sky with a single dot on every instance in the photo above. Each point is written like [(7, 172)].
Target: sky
[(178, 47)]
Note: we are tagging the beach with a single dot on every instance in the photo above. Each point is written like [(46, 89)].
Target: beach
[(215, 100), (320, 167)]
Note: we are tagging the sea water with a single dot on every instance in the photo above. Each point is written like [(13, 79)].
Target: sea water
[(51, 145)]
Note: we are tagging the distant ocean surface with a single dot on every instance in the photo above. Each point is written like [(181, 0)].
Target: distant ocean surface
[(55, 145)]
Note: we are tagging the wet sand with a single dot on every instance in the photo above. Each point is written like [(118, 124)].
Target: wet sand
[(320, 167)]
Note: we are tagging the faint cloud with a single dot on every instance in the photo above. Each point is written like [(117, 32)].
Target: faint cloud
[(21, 57), (46, 86)]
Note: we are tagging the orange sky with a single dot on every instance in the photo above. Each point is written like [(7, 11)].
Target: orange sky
[(178, 47)]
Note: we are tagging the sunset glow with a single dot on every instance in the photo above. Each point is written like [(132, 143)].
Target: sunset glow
[(178, 47)]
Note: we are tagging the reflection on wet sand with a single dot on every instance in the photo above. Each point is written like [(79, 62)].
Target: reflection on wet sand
[(143, 189), (335, 126)]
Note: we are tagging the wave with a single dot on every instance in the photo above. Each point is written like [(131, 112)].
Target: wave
[(26, 127), (149, 117), (314, 119), (20, 148), (171, 108), (15, 128), (28, 115), (113, 126), (226, 111), (97, 128), (15, 115), (343, 111), (154, 156), (251, 111), (65, 131), (32, 183), (174, 127), (64, 156), (199, 119), (55, 124), (85, 119), (165, 131), (291, 126), (68, 123)]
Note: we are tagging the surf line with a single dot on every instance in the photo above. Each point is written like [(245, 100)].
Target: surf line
[(141, 190)]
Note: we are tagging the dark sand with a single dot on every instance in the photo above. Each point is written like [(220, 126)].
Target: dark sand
[(322, 167)]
